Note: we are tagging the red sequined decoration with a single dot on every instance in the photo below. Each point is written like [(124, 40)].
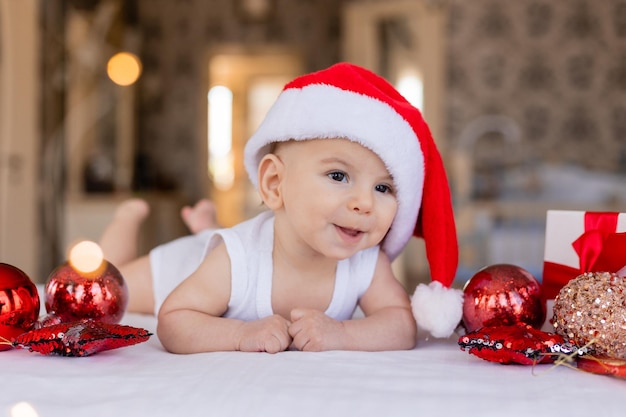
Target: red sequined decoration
[(80, 338), (520, 344)]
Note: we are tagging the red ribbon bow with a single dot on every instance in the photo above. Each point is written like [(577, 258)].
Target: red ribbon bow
[(599, 249)]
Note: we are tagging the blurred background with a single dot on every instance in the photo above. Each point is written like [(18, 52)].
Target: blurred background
[(105, 99)]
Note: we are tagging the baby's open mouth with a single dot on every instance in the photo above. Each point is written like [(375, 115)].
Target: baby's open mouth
[(349, 231)]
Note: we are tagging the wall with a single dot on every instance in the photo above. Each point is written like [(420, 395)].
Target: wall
[(536, 116), (19, 147), (556, 67)]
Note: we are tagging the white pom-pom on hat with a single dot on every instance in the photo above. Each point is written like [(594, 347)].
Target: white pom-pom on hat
[(437, 309), (351, 102)]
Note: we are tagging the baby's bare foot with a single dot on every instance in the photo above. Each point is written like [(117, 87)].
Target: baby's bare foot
[(199, 217), (132, 210)]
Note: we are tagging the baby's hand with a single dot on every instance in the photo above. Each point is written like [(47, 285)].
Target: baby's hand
[(270, 334), (313, 330)]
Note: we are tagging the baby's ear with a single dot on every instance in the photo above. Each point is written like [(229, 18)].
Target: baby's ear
[(270, 174)]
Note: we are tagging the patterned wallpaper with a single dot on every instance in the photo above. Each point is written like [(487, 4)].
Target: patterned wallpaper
[(556, 68)]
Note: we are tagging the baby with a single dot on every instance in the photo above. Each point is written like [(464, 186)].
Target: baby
[(341, 162)]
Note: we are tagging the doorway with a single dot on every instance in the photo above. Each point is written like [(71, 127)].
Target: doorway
[(242, 87)]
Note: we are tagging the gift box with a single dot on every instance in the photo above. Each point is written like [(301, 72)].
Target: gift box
[(581, 241)]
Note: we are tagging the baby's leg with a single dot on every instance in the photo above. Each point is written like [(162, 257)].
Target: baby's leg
[(199, 217), (120, 239), (138, 277), (119, 244)]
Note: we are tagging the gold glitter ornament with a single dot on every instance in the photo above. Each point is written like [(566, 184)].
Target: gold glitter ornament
[(591, 308)]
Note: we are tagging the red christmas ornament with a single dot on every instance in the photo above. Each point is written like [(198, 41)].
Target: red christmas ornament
[(603, 365), (80, 338), (99, 294), (73, 295), (501, 295), (590, 309), (19, 303)]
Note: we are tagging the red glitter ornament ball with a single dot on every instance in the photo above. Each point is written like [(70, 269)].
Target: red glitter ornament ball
[(501, 295), (101, 295), (19, 303)]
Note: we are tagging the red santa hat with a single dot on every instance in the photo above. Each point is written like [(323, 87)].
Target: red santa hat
[(347, 101)]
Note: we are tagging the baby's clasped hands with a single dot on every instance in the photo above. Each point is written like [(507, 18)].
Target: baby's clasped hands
[(309, 330)]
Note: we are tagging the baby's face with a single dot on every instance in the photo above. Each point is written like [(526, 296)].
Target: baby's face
[(338, 196)]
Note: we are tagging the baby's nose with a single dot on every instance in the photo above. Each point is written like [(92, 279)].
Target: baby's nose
[(361, 201)]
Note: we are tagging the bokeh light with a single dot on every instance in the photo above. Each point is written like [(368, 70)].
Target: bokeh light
[(86, 256), (23, 409), (124, 68)]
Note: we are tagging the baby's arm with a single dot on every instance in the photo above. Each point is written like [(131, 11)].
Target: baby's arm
[(388, 322), (190, 318)]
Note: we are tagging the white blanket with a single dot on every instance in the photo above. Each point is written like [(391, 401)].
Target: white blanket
[(435, 379)]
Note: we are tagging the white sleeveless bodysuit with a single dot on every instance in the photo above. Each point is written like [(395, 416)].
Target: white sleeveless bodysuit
[(249, 246)]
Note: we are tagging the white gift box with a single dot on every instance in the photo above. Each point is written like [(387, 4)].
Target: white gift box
[(563, 228)]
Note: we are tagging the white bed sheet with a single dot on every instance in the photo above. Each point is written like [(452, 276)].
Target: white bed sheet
[(435, 379)]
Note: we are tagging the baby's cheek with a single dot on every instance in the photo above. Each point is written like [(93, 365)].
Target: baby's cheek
[(388, 214)]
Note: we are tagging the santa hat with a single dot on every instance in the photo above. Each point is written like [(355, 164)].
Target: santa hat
[(347, 101)]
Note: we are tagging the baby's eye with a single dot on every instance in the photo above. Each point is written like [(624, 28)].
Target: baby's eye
[(338, 176), (383, 188)]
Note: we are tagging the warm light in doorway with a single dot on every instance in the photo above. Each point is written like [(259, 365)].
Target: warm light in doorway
[(221, 164)]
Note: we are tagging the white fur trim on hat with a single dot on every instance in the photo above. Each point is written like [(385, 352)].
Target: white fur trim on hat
[(324, 111)]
